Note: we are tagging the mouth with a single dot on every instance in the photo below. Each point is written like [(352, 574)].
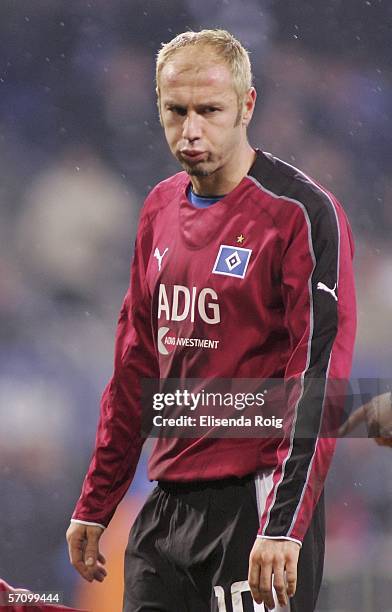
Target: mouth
[(192, 156)]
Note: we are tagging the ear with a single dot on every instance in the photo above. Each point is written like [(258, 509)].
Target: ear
[(248, 106)]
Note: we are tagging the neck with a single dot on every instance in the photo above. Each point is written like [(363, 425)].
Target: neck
[(226, 178)]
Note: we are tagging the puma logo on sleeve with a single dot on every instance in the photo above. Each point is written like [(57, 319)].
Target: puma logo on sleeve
[(323, 287)]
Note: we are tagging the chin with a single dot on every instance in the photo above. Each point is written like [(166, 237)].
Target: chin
[(198, 171), (201, 169), (195, 170)]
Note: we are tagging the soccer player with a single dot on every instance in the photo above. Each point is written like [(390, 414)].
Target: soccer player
[(249, 254)]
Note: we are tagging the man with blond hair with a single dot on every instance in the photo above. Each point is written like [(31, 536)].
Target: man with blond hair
[(242, 269)]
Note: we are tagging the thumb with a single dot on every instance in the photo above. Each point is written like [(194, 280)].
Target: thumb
[(91, 553), (90, 559)]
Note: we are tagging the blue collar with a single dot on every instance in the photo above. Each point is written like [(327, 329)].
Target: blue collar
[(202, 201)]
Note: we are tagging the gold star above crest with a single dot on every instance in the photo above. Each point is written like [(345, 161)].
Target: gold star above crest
[(240, 239)]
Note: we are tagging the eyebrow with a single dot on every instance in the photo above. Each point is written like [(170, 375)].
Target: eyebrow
[(211, 103)]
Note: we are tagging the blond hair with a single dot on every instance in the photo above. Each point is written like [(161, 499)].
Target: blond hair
[(227, 48)]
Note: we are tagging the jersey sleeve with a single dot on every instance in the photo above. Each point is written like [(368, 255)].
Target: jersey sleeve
[(319, 301), (118, 440)]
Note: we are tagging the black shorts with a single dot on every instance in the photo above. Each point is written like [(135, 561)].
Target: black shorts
[(188, 550)]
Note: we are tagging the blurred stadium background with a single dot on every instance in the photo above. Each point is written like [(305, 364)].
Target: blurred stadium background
[(80, 146)]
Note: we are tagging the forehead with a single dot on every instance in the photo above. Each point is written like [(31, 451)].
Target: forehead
[(195, 68)]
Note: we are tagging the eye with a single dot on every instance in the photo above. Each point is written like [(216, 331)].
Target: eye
[(177, 110)]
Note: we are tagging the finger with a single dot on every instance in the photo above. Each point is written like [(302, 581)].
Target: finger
[(75, 549), (101, 558), (84, 571), (358, 416), (265, 585), (279, 583), (91, 553), (80, 566), (291, 577), (100, 573), (254, 579), (76, 552), (97, 572)]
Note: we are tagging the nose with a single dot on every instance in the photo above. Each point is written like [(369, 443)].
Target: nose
[(192, 127)]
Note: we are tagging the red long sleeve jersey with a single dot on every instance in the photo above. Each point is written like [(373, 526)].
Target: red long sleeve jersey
[(280, 305)]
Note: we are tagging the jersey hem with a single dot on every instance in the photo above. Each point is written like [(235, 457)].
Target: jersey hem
[(280, 538), (87, 523)]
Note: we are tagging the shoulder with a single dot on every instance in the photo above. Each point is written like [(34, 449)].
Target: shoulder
[(292, 194), (296, 192), (162, 195)]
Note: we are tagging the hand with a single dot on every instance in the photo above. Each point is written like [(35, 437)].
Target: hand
[(378, 416), (270, 560), (84, 551)]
